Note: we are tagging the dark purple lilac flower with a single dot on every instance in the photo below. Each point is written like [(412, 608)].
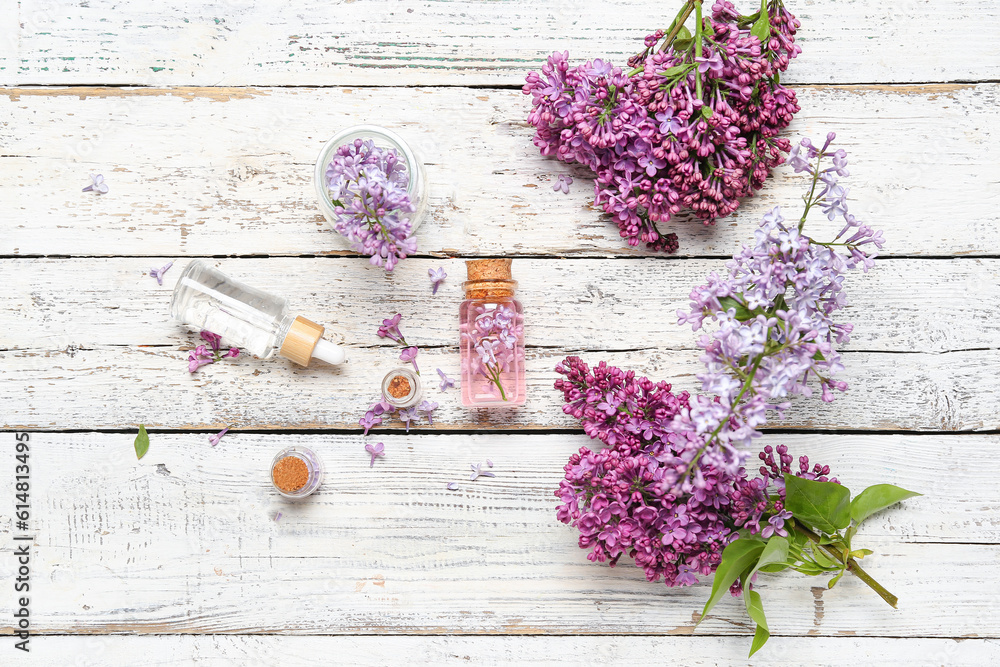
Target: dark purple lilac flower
[(97, 184), (437, 277), (202, 356), (376, 450), (684, 129), (445, 380), (368, 188), (214, 439), (158, 273), (563, 183), (390, 329)]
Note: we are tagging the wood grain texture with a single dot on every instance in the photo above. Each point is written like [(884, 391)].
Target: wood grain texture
[(380, 42), (268, 650), (108, 388), (186, 541), (902, 305), (229, 171)]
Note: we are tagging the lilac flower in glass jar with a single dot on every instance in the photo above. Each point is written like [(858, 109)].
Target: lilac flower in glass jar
[(370, 188)]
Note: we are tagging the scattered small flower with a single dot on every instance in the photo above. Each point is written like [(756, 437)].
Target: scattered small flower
[(97, 184), (409, 415), (453, 486), (410, 354), (477, 472), (437, 277), (489, 463), (445, 380), (277, 517), (369, 421), (158, 273), (214, 439), (202, 356), (562, 185), (376, 450), (429, 407), (390, 329)]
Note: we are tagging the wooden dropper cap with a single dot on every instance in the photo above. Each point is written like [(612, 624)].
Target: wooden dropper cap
[(488, 278), (301, 343)]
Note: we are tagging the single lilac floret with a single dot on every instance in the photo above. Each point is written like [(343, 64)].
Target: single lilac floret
[(437, 277), (158, 273), (97, 184), (214, 439), (445, 380), (376, 450)]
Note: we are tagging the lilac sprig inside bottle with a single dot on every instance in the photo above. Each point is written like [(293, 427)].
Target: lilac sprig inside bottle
[(774, 311), (493, 335), (367, 186)]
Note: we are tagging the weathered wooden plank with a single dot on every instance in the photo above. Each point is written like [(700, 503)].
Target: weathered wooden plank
[(229, 171), (264, 650), (384, 43), (902, 305), (186, 541), (112, 387)]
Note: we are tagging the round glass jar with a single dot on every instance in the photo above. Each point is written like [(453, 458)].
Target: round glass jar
[(382, 138), (401, 388), (293, 464)]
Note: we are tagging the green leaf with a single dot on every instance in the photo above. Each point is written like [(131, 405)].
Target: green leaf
[(742, 312), (141, 442), (861, 553), (826, 506), (833, 582), (756, 611), (849, 534), (676, 70), (876, 498), (775, 552), (774, 567), (682, 44), (706, 112), (762, 28), (823, 559), (683, 33), (736, 558)]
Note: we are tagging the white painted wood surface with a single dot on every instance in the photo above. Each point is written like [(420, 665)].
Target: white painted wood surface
[(208, 150), (246, 187)]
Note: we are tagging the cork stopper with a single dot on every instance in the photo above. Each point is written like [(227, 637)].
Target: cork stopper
[(489, 278), (301, 341)]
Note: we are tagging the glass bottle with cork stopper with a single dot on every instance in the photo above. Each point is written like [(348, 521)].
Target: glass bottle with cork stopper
[(491, 324)]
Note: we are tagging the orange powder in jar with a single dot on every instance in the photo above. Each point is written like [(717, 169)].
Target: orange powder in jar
[(290, 474), (399, 387)]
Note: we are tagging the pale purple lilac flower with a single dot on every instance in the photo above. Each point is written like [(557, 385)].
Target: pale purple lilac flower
[(478, 472), (409, 415), (277, 517), (489, 463), (410, 354), (437, 277), (97, 184), (369, 421), (390, 329), (214, 439), (563, 183), (429, 407), (376, 450), (453, 486), (368, 188), (445, 380), (158, 273)]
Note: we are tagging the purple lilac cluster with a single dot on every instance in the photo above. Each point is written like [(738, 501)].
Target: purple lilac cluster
[(693, 125), (494, 333), (634, 497), (204, 355), (774, 310), (368, 189)]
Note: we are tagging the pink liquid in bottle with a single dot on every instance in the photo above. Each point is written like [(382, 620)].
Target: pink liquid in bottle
[(491, 323)]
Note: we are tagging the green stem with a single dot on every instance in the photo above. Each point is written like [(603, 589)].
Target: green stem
[(678, 23), (697, 46), (851, 564)]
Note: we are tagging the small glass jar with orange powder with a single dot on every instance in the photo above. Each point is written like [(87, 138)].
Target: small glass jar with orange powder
[(296, 472)]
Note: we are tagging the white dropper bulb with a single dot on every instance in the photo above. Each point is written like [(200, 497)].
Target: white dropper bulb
[(328, 352)]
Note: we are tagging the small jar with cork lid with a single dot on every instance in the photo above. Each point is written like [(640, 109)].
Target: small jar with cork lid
[(491, 325)]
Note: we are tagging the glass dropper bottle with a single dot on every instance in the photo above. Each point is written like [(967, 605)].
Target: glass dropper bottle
[(248, 318)]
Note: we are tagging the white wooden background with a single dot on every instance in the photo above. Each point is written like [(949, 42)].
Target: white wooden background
[(205, 118)]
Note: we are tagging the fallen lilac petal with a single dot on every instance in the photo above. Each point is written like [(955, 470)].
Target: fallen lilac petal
[(377, 450), (445, 380), (277, 517), (453, 486), (97, 184), (158, 273), (437, 277), (214, 439), (489, 463)]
